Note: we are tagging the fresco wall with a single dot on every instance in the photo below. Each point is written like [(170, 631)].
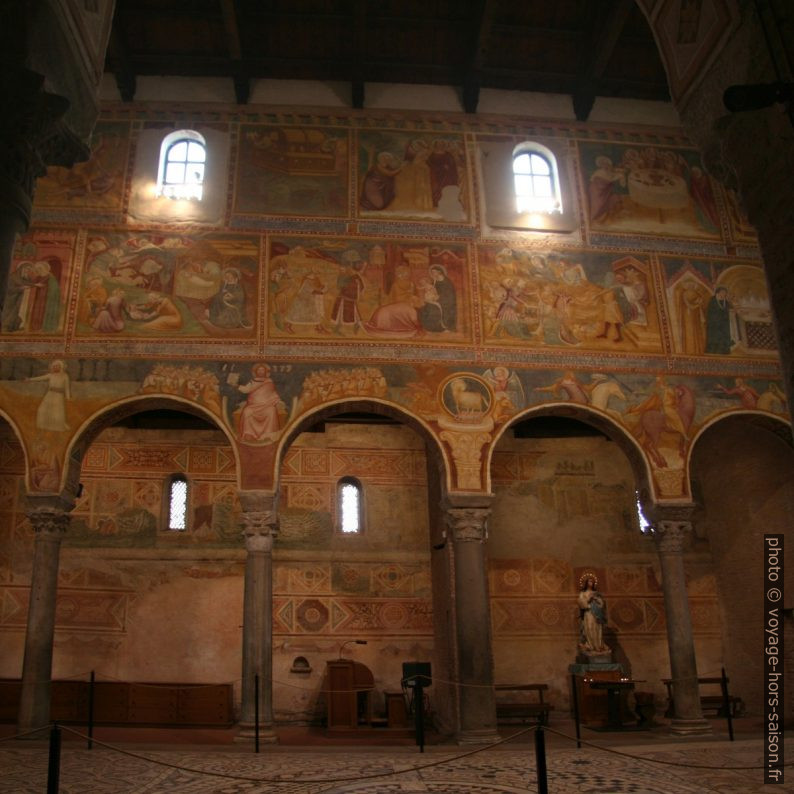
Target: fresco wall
[(353, 264), (353, 261)]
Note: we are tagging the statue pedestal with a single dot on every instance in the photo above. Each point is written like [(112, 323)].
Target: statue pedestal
[(593, 703)]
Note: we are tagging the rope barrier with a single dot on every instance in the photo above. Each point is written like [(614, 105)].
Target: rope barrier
[(278, 780), (25, 733), (655, 760)]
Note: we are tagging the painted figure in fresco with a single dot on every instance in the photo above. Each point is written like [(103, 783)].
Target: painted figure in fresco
[(602, 389), (719, 321), (747, 395), (227, 307), (692, 318), (667, 409), (443, 169), (20, 282), (592, 616), (92, 300), (308, 305), (378, 189), (350, 284), (634, 287), (604, 201), (441, 315), (508, 392), (412, 189), (568, 388), (51, 413), (772, 400), (158, 313), (45, 468), (703, 196), (111, 315), (44, 310), (261, 415), (279, 287)]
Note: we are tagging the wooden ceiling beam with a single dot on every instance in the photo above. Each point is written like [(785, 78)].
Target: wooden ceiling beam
[(605, 32), (360, 53), (240, 77), (119, 55), (482, 23)]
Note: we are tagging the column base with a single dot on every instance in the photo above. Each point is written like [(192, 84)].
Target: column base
[(698, 727), (247, 734), (477, 736)]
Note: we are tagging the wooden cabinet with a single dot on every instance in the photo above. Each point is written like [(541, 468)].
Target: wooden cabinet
[(347, 688), (593, 707)]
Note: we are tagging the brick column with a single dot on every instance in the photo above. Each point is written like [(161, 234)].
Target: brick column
[(670, 526), (260, 527), (49, 517), (477, 704)]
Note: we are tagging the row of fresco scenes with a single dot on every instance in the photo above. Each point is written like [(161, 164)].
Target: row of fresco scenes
[(147, 284), (644, 188)]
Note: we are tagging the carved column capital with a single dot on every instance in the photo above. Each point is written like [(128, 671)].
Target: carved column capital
[(48, 515), (260, 528), (468, 524), (670, 535)]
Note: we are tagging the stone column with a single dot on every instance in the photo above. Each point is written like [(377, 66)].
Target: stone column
[(477, 705), (49, 518), (260, 527), (670, 526)]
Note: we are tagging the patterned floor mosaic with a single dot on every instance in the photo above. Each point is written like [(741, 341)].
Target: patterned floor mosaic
[(441, 770)]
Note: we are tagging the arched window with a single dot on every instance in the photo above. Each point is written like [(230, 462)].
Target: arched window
[(177, 503), (349, 505), (535, 179), (183, 156)]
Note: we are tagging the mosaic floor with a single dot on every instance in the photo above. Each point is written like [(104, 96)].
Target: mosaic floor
[(440, 770)]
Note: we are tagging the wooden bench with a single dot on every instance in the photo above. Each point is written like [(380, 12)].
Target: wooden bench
[(522, 707), (714, 702)]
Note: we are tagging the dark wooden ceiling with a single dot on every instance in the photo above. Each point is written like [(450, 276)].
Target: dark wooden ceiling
[(585, 48)]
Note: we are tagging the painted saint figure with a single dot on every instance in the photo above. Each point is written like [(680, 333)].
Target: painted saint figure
[(51, 413), (260, 415), (718, 323), (592, 616)]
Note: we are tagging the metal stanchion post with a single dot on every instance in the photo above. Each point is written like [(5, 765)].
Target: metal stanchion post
[(726, 703), (91, 710), (540, 760), (419, 713), (575, 697), (54, 764), (256, 713)]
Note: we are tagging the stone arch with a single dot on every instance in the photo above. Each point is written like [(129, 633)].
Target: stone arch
[(743, 479), (368, 405), (617, 433), (20, 439), (109, 415)]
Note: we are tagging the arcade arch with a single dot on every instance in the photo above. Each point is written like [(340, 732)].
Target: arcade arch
[(384, 585), (742, 469)]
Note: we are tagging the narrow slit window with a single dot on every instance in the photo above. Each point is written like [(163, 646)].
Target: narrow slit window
[(645, 525), (349, 503), (535, 180), (177, 504), (183, 158)]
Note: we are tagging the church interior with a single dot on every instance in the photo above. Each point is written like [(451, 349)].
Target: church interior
[(340, 336)]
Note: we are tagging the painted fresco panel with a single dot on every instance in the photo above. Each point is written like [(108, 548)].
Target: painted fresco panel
[(582, 299), (719, 308), (648, 190), (148, 285), (742, 231), (412, 176), (38, 283), (292, 171), (95, 184), (388, 291)]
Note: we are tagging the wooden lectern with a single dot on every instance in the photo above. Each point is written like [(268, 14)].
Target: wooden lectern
[(347, 688)]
